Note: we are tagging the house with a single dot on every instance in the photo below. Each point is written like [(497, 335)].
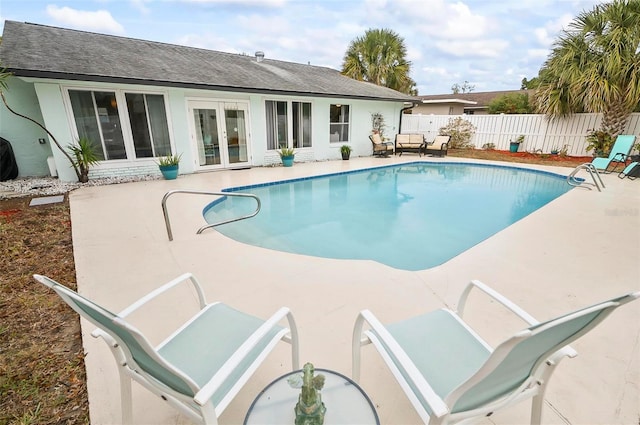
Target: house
[(139, 100), (458, 104)]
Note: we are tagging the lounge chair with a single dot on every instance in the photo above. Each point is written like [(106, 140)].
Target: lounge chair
[(631, 171), (410, 143), (438, 147), (199, 368), (618, 155), (380, 148), (450, 374)]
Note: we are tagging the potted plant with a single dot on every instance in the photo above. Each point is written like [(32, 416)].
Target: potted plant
[(599, 142), (515, 144), (287, 155), (169, 166), (345, 150)]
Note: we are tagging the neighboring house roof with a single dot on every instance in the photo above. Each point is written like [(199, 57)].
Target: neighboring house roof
[(33, 50), (479, 100)]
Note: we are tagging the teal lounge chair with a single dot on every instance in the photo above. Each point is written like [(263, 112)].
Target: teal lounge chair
[(199, 368), (451, 375), (631, 171), (619, 153)]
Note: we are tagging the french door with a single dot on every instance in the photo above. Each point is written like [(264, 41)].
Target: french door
[(219, 133)]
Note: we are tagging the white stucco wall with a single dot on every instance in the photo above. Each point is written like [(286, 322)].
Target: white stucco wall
[(31, 156), (55, 112)]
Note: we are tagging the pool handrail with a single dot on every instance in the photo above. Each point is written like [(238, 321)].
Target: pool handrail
[(165, 211)]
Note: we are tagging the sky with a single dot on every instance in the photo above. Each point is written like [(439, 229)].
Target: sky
[(492, 44)]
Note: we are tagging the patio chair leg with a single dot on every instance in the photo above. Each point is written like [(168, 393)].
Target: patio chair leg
[(125, 398)]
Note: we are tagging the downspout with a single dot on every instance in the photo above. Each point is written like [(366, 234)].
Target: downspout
[(413, 105)]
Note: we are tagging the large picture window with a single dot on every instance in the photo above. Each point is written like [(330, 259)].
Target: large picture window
[(97, 115), (339, 123), (288, 118)]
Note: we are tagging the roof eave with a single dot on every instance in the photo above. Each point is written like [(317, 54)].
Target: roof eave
[(54, 75), (464, 102)]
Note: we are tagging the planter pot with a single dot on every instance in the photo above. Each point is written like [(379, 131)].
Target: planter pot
[(287, 161), (345, 156), (169, 172), (513, 147)]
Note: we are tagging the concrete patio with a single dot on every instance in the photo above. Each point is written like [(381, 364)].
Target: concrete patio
[(581, 248)]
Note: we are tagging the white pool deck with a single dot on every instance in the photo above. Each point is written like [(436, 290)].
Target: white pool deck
[(579, 249)]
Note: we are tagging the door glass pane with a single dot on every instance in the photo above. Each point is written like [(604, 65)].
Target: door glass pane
[(236, 135), (107, 107), (84, 114), (206, 124)]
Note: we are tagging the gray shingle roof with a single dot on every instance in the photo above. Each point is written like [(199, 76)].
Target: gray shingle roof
[(50, 52)]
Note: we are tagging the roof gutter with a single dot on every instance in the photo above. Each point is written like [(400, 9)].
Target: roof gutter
[(52, 75)]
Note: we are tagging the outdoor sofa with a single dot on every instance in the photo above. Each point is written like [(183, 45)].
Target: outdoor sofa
[(410, 143)]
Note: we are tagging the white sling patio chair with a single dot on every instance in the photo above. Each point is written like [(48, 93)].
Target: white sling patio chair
[(201, 366), (451, 375)]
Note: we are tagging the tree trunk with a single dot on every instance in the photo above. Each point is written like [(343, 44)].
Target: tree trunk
[(614, 119)]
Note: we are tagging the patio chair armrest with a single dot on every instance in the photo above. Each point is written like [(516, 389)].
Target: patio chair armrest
[(156, 292), (496, 296), (435, 402), (206, 392)]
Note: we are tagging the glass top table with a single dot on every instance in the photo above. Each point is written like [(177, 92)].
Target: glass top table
[(345, 401)]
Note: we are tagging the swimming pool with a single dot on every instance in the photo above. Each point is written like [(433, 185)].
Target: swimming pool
[(411, 216)]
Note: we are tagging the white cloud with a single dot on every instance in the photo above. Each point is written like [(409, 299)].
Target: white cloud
[(538, 53), (141, 6), (547, 35), (473, 48), (438, 71), (441, 19), (100, 20)]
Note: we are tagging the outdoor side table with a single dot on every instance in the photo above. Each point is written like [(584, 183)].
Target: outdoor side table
[(345, 401)]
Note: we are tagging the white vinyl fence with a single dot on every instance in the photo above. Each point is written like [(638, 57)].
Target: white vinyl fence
[(541, 134)]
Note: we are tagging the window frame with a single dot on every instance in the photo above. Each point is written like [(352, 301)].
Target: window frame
[(123, 115)]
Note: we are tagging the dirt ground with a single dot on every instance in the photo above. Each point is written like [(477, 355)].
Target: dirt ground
[(42, 376)]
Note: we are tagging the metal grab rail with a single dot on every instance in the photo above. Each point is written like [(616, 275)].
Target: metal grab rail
[(198, 192), (593, 172)]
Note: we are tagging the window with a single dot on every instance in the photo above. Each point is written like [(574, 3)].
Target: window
[(301, 124), (339, 123), (149, 129), (281, 123), (276, 124), (97, 115)]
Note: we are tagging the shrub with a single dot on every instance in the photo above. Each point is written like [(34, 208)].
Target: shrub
[(460, 132), (489, 146)]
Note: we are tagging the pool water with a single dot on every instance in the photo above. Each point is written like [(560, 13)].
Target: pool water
[(411, 216)]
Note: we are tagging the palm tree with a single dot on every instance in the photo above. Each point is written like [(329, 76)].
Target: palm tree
[(379, 57), (595, 66)]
